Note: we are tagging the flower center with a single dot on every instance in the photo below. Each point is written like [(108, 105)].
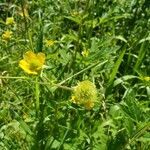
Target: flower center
[(34, 65)]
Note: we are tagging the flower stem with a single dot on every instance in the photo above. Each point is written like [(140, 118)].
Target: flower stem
[(39, 133), (37, 96)]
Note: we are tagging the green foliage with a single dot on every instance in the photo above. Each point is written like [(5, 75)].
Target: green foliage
[(103, 41)]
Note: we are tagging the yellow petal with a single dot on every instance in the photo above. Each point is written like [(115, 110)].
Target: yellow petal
[(26, 67), (49, 43), (29, 56), (41, 58), (10, 20)]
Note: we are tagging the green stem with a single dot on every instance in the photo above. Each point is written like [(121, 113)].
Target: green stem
[(80, 72), (8, 77), (37, 96), (39, 106), (63, 140)]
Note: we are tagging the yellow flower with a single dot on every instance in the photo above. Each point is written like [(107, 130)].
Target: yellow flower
[(24, 13), (146, 79), (74, 13), (32, 63), (6, 35), (10, 20), (85, 53), (85, 94), (49, 43)]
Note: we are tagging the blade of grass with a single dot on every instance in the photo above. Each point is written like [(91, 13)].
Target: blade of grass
[(141, 55), (40, 34), (114, 71)]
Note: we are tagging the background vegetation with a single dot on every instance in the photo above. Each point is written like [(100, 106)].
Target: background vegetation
[(104, 41)]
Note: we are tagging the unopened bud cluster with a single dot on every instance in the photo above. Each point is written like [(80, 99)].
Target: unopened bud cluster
[(85, 94)]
